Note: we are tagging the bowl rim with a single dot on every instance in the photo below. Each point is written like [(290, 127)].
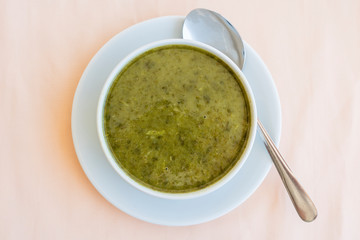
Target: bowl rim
[(109, 155)]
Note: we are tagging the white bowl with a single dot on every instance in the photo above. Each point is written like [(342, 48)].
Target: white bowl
[(106, 148)]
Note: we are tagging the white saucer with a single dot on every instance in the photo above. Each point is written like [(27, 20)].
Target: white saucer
[(124, 196)]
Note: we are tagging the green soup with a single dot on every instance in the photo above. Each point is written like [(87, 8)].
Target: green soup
[(177, 119)]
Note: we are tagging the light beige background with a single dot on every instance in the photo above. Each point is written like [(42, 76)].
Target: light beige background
[(312, 48)]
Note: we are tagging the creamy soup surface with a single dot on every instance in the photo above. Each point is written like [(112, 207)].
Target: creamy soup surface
[(177, 119)]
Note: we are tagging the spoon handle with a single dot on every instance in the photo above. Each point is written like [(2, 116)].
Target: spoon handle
[(302, 202)]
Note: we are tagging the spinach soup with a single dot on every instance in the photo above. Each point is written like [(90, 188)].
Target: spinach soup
[(177, 119)]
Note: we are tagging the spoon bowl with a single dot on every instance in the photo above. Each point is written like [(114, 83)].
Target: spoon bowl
[(211, 28)]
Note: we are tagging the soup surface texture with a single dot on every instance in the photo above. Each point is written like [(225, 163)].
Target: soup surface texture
[(176, 119)]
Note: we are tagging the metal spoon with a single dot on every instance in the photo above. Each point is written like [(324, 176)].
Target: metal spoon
[(211, 28)]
